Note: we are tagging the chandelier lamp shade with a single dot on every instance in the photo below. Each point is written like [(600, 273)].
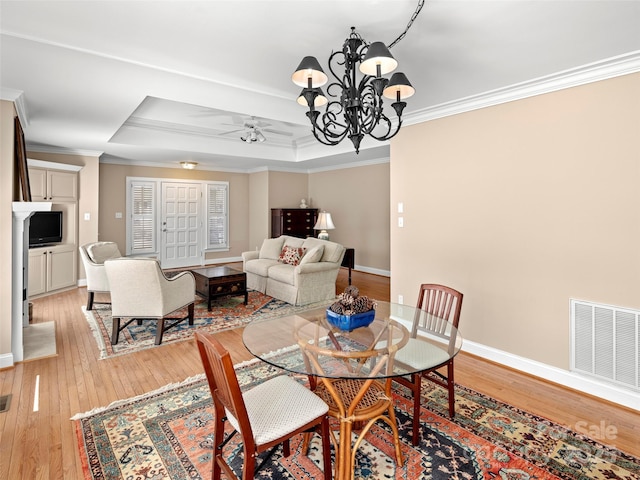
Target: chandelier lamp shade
[(323, 224), (354, 107)]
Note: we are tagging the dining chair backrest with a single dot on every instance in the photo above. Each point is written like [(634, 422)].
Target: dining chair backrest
[(223, 381), (441, 302)]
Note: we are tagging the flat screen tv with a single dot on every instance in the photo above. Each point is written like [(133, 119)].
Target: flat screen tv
[(45, 228)]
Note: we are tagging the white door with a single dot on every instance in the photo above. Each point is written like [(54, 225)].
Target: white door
[(180, 241)]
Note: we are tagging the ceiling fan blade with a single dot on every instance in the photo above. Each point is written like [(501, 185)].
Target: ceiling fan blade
[(233, 131), (277, 132)]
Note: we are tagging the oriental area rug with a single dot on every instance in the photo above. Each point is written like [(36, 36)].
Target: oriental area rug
[(226, 313), (167, 434)]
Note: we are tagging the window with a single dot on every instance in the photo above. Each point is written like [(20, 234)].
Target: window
[(142, 205), (217, 215)]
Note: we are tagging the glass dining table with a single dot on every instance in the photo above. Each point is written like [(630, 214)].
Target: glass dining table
[(353, 370)]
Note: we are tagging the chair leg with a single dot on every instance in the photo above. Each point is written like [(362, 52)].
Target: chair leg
[(115, 330), (286, 448), (90, 300), (159, 331), (416, 380), (218, 436), (326, 448), (248, 465), (451, 389), (191, 308)]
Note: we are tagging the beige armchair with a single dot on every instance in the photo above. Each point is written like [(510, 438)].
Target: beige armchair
[(139, 290), (93, 256)]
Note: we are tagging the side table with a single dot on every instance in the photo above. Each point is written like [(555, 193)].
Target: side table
[(349, 260)]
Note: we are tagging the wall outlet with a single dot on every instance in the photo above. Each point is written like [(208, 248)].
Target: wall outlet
[(118, 214), (400, 299), (400, 222)]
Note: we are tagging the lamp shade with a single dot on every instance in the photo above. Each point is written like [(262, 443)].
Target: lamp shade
[(309, 69), (318, 101), (378, 55), (398, 83), (324, 222)]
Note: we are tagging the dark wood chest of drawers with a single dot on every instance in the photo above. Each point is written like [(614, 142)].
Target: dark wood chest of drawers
[(297, 222)]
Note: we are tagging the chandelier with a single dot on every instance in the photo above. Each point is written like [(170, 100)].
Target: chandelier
[(356, 108)]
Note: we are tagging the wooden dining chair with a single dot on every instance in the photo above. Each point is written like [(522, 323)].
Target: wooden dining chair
[(265, 416), (443, 303)]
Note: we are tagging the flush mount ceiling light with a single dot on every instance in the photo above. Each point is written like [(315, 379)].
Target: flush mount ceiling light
[(358, 106), (189, 165)]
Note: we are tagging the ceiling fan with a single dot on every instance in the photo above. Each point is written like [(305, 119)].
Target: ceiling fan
[(252, 131)]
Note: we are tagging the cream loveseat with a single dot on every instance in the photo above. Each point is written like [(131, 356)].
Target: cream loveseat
[(297, 270)]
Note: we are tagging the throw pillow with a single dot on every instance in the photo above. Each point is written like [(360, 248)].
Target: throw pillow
[(291, 255), (313, 255), (271, 248)]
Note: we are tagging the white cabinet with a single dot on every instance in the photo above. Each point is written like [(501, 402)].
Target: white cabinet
[(51, 268), (53, 185), (55, 267)]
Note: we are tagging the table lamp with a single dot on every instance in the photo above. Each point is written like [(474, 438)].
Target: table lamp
[(323, 224)]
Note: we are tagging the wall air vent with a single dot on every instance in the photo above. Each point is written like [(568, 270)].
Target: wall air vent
[(605, 342)]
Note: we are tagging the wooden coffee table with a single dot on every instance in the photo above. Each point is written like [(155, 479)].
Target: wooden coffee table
[(214, 282)]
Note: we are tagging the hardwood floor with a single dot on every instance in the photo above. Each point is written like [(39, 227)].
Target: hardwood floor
[(42, 444)]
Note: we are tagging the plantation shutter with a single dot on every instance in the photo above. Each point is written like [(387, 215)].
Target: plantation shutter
[(143, 229), (217, 215)]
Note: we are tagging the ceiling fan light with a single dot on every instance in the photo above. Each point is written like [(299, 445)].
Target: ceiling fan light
[(318, 101), (399, 83), (260, 137), (378, 55), (309, 73)]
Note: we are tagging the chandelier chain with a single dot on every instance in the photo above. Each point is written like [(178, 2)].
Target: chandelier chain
[(413, 17)]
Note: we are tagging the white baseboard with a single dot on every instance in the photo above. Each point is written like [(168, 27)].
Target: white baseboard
[(215, 261), (6, 360), (82, 282), (375, 271), (591, 386)]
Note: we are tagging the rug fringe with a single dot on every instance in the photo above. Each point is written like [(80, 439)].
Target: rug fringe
[(194, 379), (93, 325)]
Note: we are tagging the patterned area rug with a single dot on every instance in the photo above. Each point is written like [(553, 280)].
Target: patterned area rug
[(167, 434), (226, 313)]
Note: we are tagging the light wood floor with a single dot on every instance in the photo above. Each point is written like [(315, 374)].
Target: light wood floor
[(42, 444)]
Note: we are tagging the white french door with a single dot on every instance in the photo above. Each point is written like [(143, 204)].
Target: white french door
[(180, 238)]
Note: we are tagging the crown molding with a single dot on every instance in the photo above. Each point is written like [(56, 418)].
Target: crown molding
[(593, 72), (55, 165), (62, 150), (17, 97), (137, 163)]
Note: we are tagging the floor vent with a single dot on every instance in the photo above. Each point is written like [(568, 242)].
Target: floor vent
[(605, 342), (5, 401)]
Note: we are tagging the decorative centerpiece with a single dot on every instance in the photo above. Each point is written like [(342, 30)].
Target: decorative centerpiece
[(351, 310)]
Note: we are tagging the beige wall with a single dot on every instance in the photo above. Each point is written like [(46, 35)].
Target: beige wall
[(259, 212), (358, 200), (522, 207), (112, 200), (7, 196), (287, 189)]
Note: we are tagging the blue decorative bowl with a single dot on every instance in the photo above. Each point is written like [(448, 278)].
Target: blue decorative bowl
[(349, 322)]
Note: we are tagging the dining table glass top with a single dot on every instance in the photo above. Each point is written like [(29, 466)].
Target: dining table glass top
[(401, 340)]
